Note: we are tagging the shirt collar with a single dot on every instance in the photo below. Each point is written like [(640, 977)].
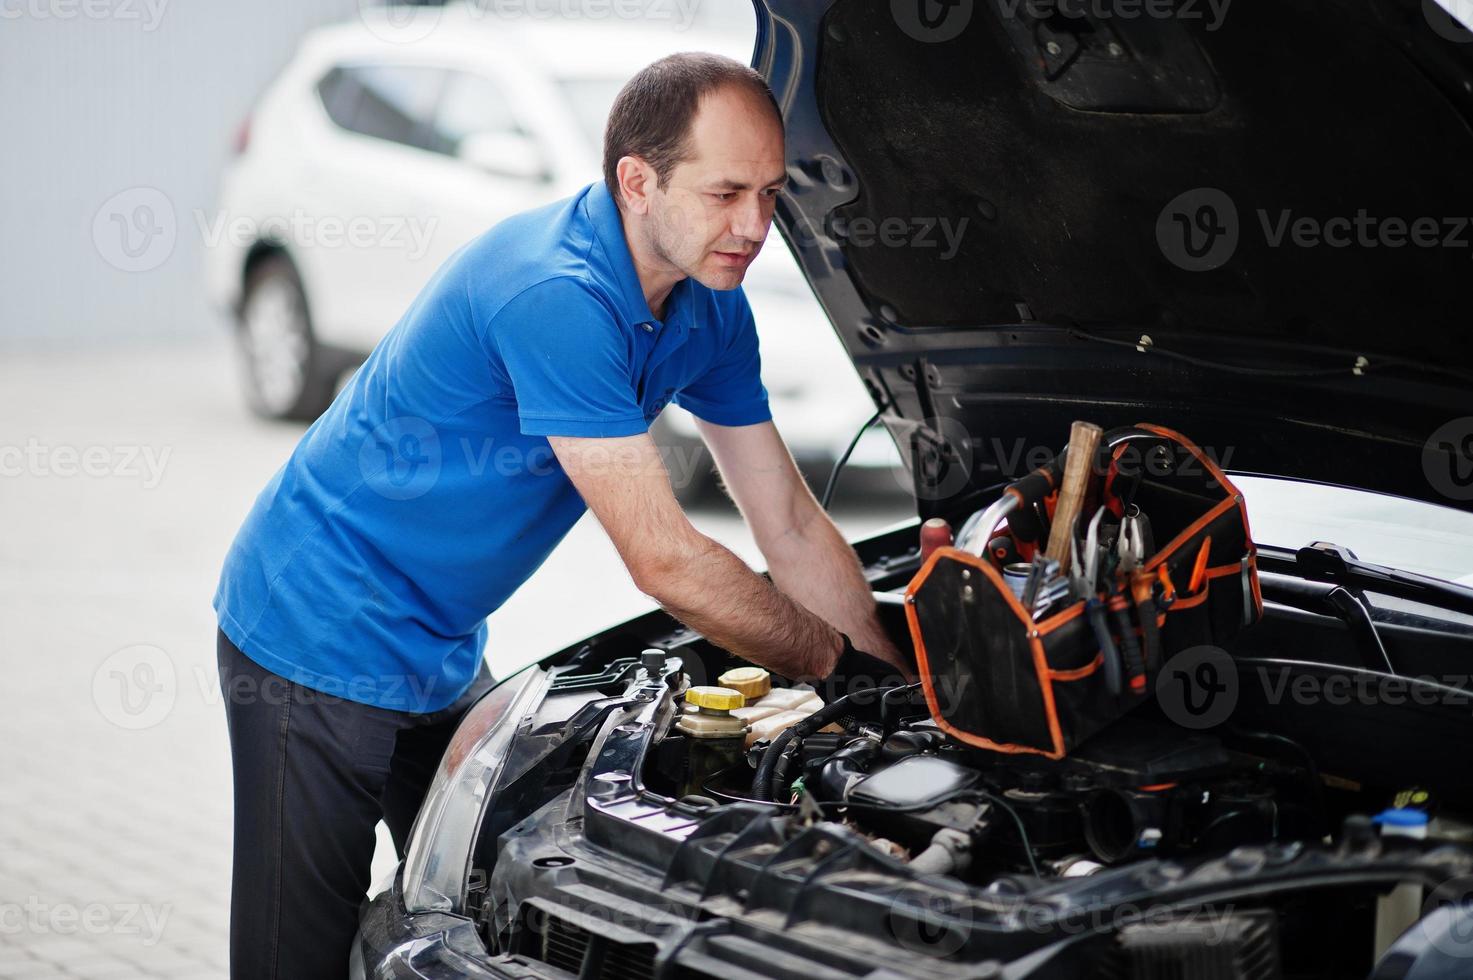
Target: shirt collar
[(608, 228)]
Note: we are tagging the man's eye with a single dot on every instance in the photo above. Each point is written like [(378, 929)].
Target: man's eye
[(724, 197), (771, 191)]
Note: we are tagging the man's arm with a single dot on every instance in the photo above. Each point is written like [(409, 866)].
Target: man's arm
[(625, 484), (807, 557)]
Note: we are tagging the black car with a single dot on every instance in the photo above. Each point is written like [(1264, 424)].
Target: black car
[(1245, 223)]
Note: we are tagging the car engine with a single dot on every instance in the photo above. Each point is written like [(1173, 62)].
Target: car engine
[(1141, 789)]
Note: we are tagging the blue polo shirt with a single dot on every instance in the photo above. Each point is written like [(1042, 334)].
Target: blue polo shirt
[(428, 492)]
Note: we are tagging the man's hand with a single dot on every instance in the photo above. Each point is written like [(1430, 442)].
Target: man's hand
[(806, 555), (624, 482)]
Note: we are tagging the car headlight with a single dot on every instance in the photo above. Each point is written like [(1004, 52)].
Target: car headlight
[(436, 862)]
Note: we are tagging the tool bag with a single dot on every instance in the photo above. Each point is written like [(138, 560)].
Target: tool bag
[(996, 678)]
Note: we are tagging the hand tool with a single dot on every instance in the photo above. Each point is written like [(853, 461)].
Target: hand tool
[(1135, 544), (1043, 569), (1135, 664), (1084, 575), (1079, 458)]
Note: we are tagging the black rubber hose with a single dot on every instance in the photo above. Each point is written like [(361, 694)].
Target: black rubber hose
[(762, 780), (845, 766)]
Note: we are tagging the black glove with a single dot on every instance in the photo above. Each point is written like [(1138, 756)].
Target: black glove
[(857, 671)]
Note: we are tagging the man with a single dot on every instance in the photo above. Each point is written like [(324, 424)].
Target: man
[(516, 390)]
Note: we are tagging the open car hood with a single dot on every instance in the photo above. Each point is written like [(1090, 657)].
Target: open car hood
[(1015, 221)]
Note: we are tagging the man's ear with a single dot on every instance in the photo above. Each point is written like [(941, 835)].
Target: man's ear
[(636, 183)]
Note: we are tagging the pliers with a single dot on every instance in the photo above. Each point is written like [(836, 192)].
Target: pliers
[(1133, 545), (1085, 577)]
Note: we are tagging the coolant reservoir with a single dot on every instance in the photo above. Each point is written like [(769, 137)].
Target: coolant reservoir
[(790, 698), (752, 682), (713, 716), (770, 726), (716, 735)]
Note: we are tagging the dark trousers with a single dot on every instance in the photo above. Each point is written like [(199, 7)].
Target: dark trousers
[(314, 773)]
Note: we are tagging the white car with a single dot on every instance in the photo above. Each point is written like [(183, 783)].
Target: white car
[(368, 162)]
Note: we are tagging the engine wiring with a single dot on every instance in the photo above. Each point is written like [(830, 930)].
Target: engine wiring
[(828, 490)]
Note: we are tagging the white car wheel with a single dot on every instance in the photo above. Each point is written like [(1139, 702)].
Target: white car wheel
[(284, 371)]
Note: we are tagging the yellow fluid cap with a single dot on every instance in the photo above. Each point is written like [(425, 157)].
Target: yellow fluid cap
[(752, 682), (717, 698)]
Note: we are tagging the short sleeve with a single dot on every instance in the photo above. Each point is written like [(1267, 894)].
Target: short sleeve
[(569, 362), (730, 391)]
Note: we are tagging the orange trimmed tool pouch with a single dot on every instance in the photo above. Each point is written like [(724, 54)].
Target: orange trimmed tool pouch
[(996, 678)]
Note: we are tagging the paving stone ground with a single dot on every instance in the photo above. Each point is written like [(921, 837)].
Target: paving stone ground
[(114, 765)]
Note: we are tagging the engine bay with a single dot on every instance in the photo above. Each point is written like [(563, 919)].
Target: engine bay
[(1303, 838), (1143, 802), (1141, 789)]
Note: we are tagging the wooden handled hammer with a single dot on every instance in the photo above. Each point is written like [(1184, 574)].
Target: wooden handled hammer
[(1084, 442)]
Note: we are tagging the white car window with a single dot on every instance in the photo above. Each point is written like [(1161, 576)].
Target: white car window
[(388, 102), (471, 104)]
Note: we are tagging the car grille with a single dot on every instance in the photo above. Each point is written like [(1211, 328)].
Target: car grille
[(573, 949)]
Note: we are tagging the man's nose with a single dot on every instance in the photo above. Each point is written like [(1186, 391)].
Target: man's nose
[(750, 219)]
